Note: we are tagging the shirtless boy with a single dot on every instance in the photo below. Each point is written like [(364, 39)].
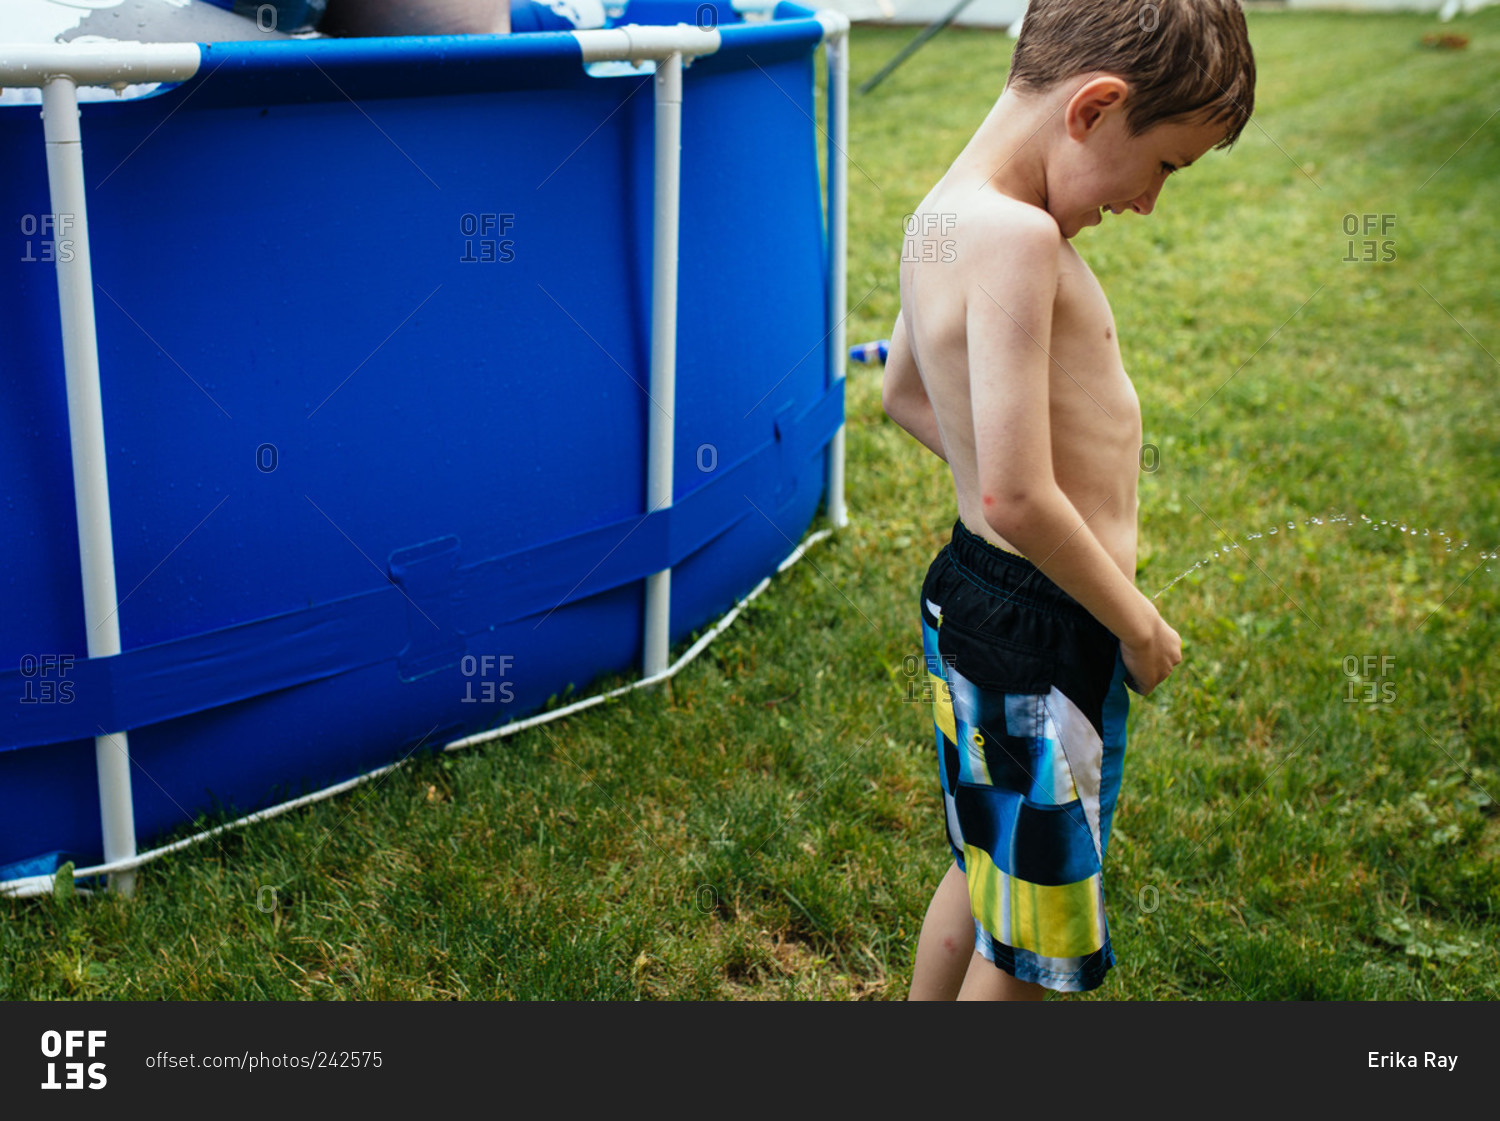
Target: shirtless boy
[(1004, 363)]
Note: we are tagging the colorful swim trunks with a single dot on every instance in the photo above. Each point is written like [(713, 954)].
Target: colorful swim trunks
[(1029, 703)]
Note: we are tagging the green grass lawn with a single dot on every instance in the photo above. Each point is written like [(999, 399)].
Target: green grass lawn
[(770, 826)]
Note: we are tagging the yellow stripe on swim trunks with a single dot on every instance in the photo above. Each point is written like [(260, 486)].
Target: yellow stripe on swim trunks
[(1059, 921), (942, 707)]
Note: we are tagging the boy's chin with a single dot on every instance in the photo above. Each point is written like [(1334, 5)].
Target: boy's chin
[(1082, 222)]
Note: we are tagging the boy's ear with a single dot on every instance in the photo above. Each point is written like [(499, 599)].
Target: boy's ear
[(1091, 102)]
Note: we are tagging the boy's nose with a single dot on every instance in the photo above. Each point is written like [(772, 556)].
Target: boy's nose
[(1145, 202)]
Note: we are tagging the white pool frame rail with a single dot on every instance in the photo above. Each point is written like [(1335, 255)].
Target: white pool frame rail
[(59, 69)]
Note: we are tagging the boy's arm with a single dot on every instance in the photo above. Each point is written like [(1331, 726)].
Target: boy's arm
[(1008, 321), (904, 397)]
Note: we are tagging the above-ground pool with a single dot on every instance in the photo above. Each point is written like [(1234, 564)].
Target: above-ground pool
[(396, 441)]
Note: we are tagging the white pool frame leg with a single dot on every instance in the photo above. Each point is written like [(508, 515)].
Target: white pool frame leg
[(668, 169), (837, 47), (75, 298), (661, 428)]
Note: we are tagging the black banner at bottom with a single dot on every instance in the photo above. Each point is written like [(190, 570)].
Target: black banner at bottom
[(74, 1058)]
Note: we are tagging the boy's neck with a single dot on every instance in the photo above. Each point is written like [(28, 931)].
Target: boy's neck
[(1008, 152)]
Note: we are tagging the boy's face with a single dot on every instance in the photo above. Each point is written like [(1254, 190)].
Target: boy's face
[(1108, 170)]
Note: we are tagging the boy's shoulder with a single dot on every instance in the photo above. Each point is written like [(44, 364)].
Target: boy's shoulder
[(1008, 225), (997, 242), (984, 237)]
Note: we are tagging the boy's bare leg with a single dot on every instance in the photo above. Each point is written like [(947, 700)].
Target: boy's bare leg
[(984, 981), (946, 941)]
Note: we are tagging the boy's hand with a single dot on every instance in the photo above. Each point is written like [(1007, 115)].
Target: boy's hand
[(1148, 664)]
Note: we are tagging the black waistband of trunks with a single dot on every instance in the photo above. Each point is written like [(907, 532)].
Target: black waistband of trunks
[(1014, 577)]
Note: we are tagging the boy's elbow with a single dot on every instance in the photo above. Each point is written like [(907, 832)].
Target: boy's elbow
[(1005, 515), (1013, 511)]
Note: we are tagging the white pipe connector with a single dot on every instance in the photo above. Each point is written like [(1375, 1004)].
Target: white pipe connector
[(634, 42), (835, 24), (97, 64)]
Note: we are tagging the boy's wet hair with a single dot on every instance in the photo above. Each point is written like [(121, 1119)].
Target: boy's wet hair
[(1185, 60)]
